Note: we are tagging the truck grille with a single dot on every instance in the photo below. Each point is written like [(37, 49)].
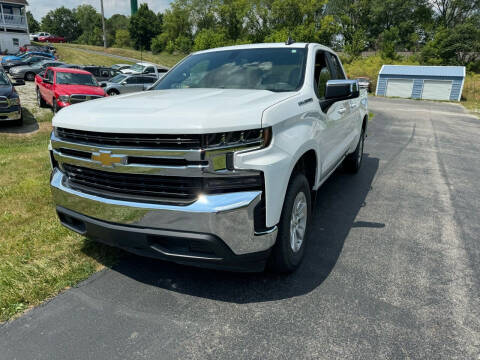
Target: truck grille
[(163, 141), (136, 140), (163, 188), (75, 99)]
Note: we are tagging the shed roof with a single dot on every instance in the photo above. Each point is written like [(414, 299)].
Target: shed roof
[(19, 2), (448, 71)]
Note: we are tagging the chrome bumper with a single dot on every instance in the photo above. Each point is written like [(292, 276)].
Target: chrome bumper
[(230, 216), (13, 115)]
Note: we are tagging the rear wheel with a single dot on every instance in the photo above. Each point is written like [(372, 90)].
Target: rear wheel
[(293, 229), (353, 161), (40, 102)]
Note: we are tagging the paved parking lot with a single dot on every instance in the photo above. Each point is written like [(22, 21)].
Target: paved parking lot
[(392, 271)]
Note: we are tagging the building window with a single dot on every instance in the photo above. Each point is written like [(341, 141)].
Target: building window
[(16, 42)]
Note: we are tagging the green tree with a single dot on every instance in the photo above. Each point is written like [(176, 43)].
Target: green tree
[(143, 27), (113, 24), (209, 38), (450, 13), (33, 25), (457, 46), (90, 23), (122, 39), (62, 22)]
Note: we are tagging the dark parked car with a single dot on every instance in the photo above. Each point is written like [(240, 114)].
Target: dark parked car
[(10, 108), (26, 60), (28, 72), (101, 73)]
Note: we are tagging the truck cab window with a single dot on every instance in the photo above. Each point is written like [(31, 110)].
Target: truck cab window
[(339, 74), (322, 73)]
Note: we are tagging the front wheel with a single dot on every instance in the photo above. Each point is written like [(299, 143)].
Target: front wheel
[(112, 93), (293, 229), (41, 103)]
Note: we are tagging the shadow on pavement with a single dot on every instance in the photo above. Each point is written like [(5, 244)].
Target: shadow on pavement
[(338, 203), (30, 124)]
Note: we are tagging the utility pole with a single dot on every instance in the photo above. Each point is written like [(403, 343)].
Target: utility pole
[(103, 25)]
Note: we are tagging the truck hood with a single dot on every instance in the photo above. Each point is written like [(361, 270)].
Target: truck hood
[(176, 111), (79, 89), (128, 71)]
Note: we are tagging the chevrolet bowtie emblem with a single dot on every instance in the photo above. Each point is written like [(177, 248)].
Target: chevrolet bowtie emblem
[(107, 159)]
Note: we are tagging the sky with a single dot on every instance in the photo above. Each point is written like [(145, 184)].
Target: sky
[(40, 7)]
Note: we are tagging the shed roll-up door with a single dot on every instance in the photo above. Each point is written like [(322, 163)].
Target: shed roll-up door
[(436, 89), (399, 88)]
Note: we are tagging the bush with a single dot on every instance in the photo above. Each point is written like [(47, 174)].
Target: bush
[(170, 48), (183, 44), (208, 39), (122, 39), (159, 43)]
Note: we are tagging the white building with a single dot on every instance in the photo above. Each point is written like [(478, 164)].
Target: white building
[(13, 25)]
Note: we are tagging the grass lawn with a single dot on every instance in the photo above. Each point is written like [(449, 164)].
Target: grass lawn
[(163, 58), (71, 55), (38, 257)]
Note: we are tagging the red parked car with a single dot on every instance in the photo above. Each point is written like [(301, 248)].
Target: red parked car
[(61, 87), (51, 39)]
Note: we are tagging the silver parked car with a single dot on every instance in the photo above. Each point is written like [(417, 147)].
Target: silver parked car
[(123, 83), (28, 72)]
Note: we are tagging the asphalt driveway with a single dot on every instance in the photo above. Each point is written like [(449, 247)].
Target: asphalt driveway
[(392, 271)]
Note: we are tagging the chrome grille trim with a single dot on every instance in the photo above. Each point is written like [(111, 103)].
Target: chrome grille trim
[(202, 163), (78, 98)]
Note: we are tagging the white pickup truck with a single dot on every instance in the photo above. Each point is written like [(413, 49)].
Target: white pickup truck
[(145, 68), (214, 166)]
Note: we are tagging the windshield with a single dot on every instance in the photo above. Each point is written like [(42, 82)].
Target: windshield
[(137, 68), (76, 79), (277, 69), (117, 79), (4, 79)]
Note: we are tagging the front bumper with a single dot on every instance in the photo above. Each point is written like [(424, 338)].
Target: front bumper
[(13, 113), (222, 225)]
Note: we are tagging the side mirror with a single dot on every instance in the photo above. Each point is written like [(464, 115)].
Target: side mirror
[(123, 82), (18, 82), (342, 90)]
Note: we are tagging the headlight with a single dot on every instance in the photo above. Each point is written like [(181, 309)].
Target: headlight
[(64, 98), (14, 101), (239, 139)]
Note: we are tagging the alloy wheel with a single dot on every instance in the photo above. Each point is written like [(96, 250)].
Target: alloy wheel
[(298, 222)]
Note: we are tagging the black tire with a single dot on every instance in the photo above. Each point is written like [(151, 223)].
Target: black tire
[(55, 107), (18, 122), (40, 102), (113, 93), (30, 76), (284, 259), (353, 161)]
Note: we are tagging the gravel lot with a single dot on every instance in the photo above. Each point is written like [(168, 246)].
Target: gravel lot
[(392, 270)]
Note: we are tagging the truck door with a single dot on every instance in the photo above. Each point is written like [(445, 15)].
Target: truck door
[(47, 88), (350, 121), (133, 84), (332, 116)]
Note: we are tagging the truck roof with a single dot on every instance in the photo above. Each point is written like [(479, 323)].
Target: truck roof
[(69, 70), (294, 45)]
